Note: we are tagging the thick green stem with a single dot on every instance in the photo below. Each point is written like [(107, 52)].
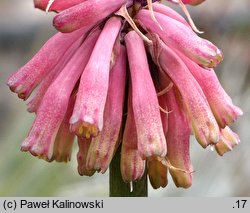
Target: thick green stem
[(117, 187)]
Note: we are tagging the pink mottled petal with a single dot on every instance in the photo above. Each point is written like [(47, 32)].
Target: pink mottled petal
[(30, 75), (83, 145), (176, 35), (37, 99), (167, 11), (102, 147), (85, 14), (132, 165), (87, 118), (157, 172), (221, 104), (178, 143), (40, 140), (204, 125), (57, 5), (151, 140), (228, 140)]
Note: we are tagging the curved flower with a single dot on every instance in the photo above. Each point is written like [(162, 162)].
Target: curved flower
[(177, 35), (132, 164), (50, 114), (85, 14), (83, 90), (87, 117), (151, 140), (103, 146)]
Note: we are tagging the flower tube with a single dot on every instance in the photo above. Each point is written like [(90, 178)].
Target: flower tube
[(37, 99), (30, 75), (103, 146), (64, 139), (85, 14), (178, 36), (204, 125), (178, 143), (167, 11), (40, 140), (87, 117), (151, 140), (221, 104), (132, 164)]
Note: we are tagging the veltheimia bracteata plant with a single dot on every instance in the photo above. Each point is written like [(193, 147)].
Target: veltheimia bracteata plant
[(128, 73)]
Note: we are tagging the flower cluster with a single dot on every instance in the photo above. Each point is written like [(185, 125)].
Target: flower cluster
[(129, 73)]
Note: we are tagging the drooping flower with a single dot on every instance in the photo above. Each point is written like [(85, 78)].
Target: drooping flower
[(170, 91), (103, 146), (151, 140), (87, 117)]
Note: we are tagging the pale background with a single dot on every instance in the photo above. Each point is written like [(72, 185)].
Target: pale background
[(22, 32)]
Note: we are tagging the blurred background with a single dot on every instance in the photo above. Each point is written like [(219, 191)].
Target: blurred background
[(24, 29)]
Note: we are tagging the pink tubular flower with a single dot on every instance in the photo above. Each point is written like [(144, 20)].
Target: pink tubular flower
[(221, 104), (203, 122), (40, 140), (102, 147), (29, 76), (85, 14), (132, 164), (87, 118), (176, 35), (178, 144), (37, 99), (151, 140), (64, 139), (146, 119)]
